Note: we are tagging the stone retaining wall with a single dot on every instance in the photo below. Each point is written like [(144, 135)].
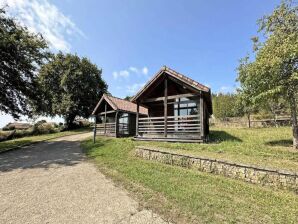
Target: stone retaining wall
[(252, 174)]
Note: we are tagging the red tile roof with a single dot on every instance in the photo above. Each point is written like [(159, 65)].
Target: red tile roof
[(120, 104)]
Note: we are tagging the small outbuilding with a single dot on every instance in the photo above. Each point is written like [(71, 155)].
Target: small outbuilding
[(178, 108), (116, 117)]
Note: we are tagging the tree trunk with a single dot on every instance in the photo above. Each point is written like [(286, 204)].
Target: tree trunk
[(294, 122), (248, 118), (275, 120), (295, 136), (69, 119)]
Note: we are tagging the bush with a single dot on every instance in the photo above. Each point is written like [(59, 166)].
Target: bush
[(42, 127), (8, 128)]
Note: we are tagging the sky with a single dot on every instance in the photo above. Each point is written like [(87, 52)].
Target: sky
[(132, 39)]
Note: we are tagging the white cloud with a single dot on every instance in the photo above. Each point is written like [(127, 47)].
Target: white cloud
[(132, 89), (127, 72), (44, 17), (134, 69), (145, 71), (123, 74)]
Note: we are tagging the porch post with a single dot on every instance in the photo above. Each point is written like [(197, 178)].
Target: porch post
[(116, 124), (166, 108), (105, 125), (137, 119), (202, 115), (94, 130)]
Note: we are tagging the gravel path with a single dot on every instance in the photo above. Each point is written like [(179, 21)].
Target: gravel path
[(51, 182)]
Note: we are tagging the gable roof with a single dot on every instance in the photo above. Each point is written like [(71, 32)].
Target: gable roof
[(120, 104), (206, 91), (174, 74)]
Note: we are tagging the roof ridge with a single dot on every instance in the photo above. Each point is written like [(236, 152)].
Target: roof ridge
[(106, 96), (178, 73), (119, 98)]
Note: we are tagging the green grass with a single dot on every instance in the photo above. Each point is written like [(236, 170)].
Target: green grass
[(31, 139), (188, 195), (266, 147)]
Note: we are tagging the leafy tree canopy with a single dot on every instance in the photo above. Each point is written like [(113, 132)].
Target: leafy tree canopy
[(273, 72), (21, 54), (70, 87)]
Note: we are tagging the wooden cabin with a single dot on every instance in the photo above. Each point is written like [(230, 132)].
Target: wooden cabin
[(178, 108), (116, 117)]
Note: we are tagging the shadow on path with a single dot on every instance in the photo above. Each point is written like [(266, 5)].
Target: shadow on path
[(42, 155)]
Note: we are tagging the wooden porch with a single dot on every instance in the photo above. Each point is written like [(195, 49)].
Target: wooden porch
[(178, 109), (171, 128), (177, 122), (115, 117)]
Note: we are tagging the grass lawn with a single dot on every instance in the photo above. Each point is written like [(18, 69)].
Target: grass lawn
[(30, 139), (266, 147), (191, 196)]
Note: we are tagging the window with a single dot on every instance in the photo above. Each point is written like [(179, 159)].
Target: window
[(185, 106), (123, 124)]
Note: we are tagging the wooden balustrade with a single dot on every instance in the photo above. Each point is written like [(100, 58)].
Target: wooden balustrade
[(106, 128), (175, 126)]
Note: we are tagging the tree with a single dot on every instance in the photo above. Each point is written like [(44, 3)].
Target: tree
[(273, 73), (69, 87), (224, 105), (21, 54), (127, 98)]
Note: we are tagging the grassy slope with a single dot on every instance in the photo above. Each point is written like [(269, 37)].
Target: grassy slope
[(266, 147), (178, 192), (30, 139)]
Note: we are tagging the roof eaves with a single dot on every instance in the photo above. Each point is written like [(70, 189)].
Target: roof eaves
[(133, 99), (113, 105)]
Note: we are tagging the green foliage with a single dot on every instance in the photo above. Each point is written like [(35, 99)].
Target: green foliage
[(69, 87), (225, 105), (128, 98), (21, 54), (273, 73)]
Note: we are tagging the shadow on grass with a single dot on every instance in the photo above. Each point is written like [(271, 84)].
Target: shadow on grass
[(283, 142), (89, 147), (221, 136)]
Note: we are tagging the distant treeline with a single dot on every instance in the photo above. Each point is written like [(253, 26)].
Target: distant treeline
[(227, 105)]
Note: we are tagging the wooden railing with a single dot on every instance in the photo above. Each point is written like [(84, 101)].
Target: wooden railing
[(106, 128), (176, 126)]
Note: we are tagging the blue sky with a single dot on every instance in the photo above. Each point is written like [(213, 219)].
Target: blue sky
[(131, 39)]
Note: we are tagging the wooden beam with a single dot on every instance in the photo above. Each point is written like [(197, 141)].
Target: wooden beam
[(178, 107), (108, 112), (116, 125), (183, 84), (94, 131), (105, 117), (201, 111), (137, 119), (166, 106), (169, 97)]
